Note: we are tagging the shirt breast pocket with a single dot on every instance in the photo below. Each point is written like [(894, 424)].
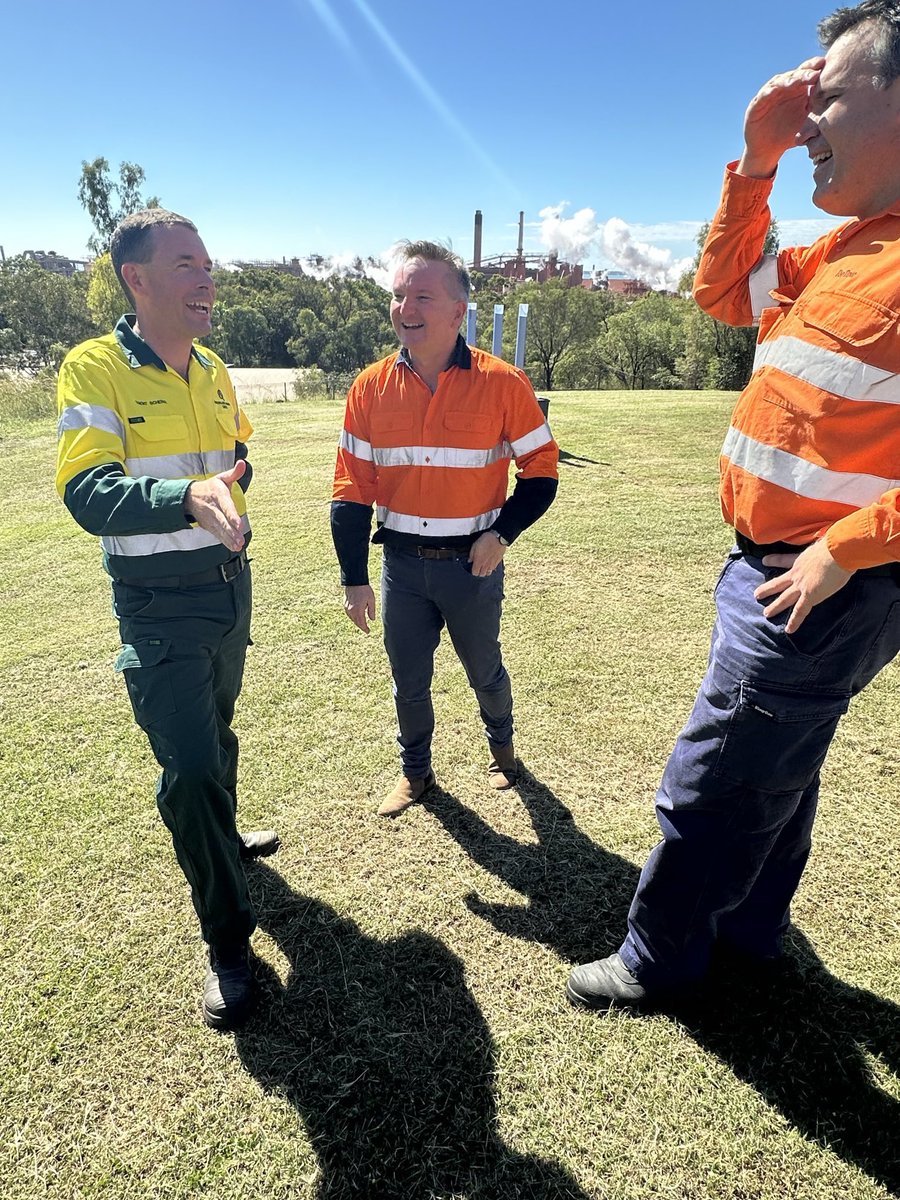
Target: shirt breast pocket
[(473, 429), (844, 346), (227, 421), (391, 422), (849, 319)]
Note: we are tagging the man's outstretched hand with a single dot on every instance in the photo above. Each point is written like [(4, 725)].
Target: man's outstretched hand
[(210, 504)]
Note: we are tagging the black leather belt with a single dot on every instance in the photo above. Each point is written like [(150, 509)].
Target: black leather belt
[(758, 550), (223, 573), (886, 570)]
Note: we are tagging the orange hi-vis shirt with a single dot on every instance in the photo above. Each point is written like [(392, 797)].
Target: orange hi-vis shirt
[(814, 445), (437, 466)]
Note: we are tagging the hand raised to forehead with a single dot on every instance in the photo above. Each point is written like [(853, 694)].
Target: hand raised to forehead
[(775, 117)]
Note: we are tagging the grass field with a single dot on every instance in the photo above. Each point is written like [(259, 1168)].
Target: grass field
[(413, 1038)]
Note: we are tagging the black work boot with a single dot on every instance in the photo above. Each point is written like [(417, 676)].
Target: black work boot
[(259, 843), (228, 990), (604, 984)]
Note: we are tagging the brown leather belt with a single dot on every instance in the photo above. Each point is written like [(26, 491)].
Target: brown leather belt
[(440, 552)]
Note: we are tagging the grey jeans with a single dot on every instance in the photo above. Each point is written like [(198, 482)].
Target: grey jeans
[(419, 596)]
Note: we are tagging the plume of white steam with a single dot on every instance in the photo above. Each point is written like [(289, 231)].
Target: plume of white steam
[(572, 238), (323, 266), (648, 263)]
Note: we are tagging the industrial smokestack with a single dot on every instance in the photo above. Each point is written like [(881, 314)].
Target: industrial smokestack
[(521, 246), (476, 256)]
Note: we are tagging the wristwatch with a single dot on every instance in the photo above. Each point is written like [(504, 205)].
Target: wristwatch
[(500, 538)]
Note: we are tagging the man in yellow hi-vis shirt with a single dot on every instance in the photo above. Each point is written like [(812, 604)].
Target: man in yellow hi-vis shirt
[(152, 458)]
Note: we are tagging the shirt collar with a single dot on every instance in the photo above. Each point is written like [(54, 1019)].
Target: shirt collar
[(139, 353), (461, 356)]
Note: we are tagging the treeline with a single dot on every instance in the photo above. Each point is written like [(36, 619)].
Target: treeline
[(267, 318)]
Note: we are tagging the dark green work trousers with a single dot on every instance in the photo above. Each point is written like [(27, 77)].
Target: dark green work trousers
[(183, 653)]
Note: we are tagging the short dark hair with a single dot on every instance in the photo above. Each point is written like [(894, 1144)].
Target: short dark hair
[(884, 17), (435, 252), (133, 238)]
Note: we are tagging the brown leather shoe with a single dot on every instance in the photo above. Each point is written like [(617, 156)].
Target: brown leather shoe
[(408, 791), (503, 771)]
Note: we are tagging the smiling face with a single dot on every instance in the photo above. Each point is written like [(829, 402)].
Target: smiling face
[(853, 131), (173, 292), (426, 309)]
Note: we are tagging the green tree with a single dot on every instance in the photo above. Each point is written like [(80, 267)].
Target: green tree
[(245, 332), (584, 365), (105, 299), (720, 355), (559, 320), (642, 342), (108, 201), (42, 315)]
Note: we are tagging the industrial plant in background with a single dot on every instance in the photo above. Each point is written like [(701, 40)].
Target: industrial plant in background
[(519, 267)]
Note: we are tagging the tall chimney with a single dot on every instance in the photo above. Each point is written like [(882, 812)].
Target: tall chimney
[(520, 247), (476, 257)]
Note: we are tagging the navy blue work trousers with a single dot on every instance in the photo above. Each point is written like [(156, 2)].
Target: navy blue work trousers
[(419, 596), (183, 652), (738, 796)]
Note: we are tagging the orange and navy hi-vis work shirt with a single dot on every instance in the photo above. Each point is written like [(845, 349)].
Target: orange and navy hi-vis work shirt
[(814, 445), (436, 467)]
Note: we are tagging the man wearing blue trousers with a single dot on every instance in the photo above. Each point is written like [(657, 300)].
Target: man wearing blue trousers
[(808, 604)]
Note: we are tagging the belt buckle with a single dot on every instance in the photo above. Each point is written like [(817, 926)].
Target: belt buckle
[(232, 568)]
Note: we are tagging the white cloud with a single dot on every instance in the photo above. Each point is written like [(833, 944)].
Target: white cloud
[(804, 231)]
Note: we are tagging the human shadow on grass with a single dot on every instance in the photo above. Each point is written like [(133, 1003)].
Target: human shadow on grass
[(799, 1035), (578, 460), (386, 1057)]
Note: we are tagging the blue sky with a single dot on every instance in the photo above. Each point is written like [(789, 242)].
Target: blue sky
[(288, 127)]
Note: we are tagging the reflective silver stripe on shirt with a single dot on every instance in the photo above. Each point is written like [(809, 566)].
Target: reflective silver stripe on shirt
[(90, 416), (181, 466), (532, 441), (139, 545), (440, 456), (801, 477), (840, 374), (436, 527), (763, 278), (356, 446)]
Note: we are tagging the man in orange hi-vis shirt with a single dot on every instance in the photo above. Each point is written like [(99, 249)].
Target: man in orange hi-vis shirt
[(807, 604), (428, 438)]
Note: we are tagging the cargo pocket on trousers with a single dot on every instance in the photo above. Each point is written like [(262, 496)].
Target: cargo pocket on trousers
[(777, 739), (144, 666)]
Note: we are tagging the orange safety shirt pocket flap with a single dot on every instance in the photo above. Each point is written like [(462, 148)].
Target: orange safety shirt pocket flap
[(851, 318), (391, 422), (469, 422)]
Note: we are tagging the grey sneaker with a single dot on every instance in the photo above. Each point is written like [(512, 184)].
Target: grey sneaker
[(603, 984)]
